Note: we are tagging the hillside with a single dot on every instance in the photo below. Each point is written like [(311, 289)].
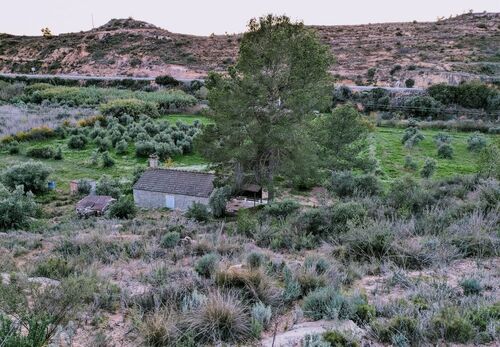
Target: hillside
[(450, 50)]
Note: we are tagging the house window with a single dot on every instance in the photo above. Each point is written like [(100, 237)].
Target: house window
[(170, 201)]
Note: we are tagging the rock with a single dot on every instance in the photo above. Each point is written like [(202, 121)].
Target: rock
[(44, 281), (187, 240), (5, 278), (296, 334)]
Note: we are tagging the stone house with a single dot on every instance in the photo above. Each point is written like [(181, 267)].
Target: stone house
[(174, 189)]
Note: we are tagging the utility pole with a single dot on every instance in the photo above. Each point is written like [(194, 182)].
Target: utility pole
[(92, 15)]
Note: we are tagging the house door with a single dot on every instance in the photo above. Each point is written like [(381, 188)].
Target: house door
[(170, 201)]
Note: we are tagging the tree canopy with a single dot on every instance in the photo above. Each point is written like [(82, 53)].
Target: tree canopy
[(342, 136), (262, 107)]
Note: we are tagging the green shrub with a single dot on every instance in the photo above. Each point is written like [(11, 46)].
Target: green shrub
[(482, 318), (11, 333), (218, 200), (345, 183), (77, 142), (292, 290), (315, 222), (310, 280), (452, 326), (108, 186), (471, 286), (90, 96), (367, 184), (442, 138), (11, 91), (399, 328), (410, 164), (50, 307), (489, 162), (262, 314), (13, 147), (475, 95), (409, 83), (255, 260), (170, 239), (121, 147), (31, 175), (55, 268), (429, 168), (364, 313), (326, 303), (246, 223), (445, 151), (475, 245), (369, 242), (281, 209), (470, 95), (424, 106), (103, 143), (84, 187), (131, 107), (444, 93), (40, 152), (412, 137), (166, 81), (16, 208), (476, 142), (199, 212), (107, 161), (123, 208), (395, 68), (346, 212), (144, 149), (370, 74), (407, 195), (58, 155), (337, 339), (207, 265), (30, 89)]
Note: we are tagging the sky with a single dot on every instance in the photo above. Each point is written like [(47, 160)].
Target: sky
[(203, 17)]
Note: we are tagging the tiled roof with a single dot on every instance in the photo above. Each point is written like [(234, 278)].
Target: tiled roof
[(180, 182), (94, 202)]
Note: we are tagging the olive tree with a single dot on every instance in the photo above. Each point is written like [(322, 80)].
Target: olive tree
[(31, 175)]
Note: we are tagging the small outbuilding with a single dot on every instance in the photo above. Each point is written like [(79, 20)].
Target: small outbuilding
[(174, 189), (252, 191), (94, 205)]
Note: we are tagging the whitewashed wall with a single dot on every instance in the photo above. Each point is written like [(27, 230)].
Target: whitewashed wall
[(147, 199)]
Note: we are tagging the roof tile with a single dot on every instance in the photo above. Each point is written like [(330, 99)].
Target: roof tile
[(180, 182)]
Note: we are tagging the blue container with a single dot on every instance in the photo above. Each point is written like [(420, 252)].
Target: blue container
[(51, 185)]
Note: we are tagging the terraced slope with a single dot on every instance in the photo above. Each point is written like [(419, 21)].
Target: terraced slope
[(451, 50)]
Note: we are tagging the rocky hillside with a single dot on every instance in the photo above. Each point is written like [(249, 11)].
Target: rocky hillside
[(463, 47)]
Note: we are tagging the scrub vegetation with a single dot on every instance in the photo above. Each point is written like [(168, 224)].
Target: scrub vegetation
[(380, 224)]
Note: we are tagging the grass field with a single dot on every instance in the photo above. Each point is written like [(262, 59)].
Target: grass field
[(185, 118), (390, 152), (76, 163)]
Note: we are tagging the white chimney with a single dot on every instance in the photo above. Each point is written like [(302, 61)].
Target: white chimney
[(153, 161)]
